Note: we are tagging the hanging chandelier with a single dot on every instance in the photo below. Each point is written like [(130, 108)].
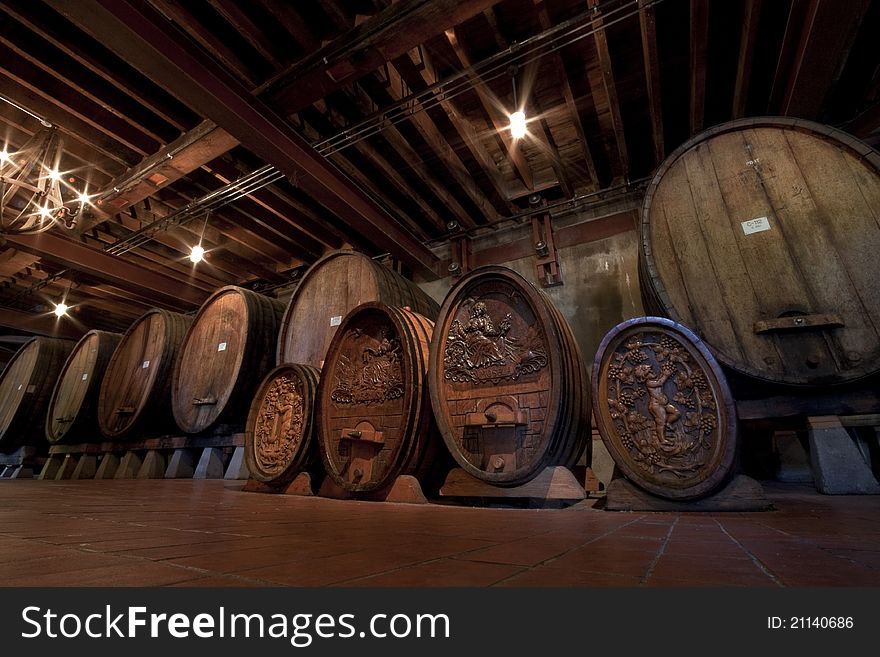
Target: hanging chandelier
[(31, 199)]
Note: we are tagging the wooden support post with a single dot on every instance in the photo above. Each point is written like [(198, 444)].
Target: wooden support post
[(181, 465), (86, 467), (50, 468), (237, 468), (153, 466), (109, 466), (210, 464), (67, 467), (128, 467), (838, 466), (553, 483)]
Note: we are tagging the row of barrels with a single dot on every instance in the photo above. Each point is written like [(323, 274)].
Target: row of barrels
[(497, 383), (204, 370)]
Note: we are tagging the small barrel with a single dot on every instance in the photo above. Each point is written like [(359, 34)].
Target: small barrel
[(135, 395), (25, 388), (664, 409), (375, 421), (328, 291), (279, 437), (762, 236), (225, 354), (508, 384), (73, 409)]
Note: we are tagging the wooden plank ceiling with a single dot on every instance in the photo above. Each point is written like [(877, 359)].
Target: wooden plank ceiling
[(378, 123)]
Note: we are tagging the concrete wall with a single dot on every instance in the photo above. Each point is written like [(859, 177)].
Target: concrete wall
[(600, 286)]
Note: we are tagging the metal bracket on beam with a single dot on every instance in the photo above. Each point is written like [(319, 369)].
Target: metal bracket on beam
[(546, 265), (460, 246)]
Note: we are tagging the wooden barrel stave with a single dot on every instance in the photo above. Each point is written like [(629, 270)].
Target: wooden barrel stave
[(500, 349), (312, 315), (135, 393), (72, 413), (375, 423), (279, 435), (227, 351), (25, 390), (760, 235)]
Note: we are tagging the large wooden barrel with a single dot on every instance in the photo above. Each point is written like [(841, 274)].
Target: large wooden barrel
[(508, 384), (328, 291), (762, 236), (135, 396), (663, 408), (25, 388), (374, 418), (279, 438), (73, 409), (226, 353)]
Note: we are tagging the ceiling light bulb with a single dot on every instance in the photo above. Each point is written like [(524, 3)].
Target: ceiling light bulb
[(61, 309), (45, 212), (54, 174), (197, 253), (518, 125), (83, 198), (4, 156)]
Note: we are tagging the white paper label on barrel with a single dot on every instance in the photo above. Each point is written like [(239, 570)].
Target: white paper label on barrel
[(221, 346), (20, 386), (758, 225), (336, 320), (145, 365), (85, 376)]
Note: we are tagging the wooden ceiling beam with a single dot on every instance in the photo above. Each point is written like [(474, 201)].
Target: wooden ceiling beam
[(202, 35), (190, 151), (103, 266), (71, 126), (699, 44), (292, 21), (40, 324), (748, 39), (610, 87), (561, 79), (648, 29), (397, 89), (823, 47), (417, 70), (389, 34), (56, 33), (74, 103), (514, 152), (146, 39), (238, 18), (377, 163)]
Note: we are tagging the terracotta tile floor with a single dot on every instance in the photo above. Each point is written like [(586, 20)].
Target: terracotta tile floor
[(208, 533)]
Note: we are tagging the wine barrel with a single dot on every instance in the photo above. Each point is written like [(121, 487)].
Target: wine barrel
[(664, 409), (331, 288), (73, 408), (135, 395), (225, 354), (375, 421), (279, 437), (507, 381), (25, 388), (762, 236)]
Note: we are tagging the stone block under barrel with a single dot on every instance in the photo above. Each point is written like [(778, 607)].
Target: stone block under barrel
[(73, 409), (25, 388), (374, 419), (227, 351), (663, 409), (279, 437), (135, 396), (762, 235), (328, 291), (508, 384)]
